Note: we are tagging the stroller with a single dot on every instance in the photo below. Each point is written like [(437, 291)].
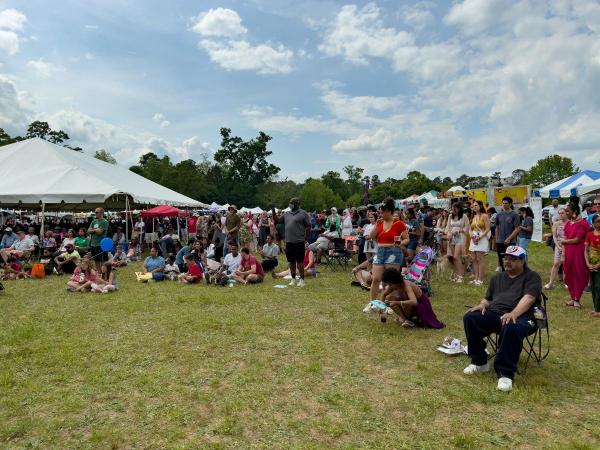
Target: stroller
[(419, 271)]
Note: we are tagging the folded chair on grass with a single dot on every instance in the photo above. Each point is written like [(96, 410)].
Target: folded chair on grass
[(419, 270), (536, 345)]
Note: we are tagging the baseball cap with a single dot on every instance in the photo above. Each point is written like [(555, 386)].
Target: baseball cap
[(516, 251), (8, 230), (232, 207)]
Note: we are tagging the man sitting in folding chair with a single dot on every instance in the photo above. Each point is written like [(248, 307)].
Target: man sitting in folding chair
[(507, 309)]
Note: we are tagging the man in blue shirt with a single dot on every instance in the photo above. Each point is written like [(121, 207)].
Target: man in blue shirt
[(185, 250), (8, 239)]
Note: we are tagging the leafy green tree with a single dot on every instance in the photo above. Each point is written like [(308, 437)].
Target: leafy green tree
[(38, 129), (375, 181), (6, 139), (334, 181), (354, 177), (275, 193), (246, 161), (550, 169), (416, 183), (518, 175), (317, 196), (355, 200), (105, 156), (389, 188)]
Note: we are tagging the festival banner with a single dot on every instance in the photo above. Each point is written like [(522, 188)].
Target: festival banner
[(519, 194), (477, 195), (535, 203)]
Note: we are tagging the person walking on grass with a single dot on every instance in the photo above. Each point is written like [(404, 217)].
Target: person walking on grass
[(575, 270), (558, 234), (592, 259), (297, 229)]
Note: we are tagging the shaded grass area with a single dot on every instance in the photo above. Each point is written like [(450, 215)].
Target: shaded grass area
[(164, 365)]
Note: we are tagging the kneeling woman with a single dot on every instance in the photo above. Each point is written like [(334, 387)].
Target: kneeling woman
[(408, 301)]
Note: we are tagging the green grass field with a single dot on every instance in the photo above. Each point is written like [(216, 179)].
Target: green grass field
[(169, 366)]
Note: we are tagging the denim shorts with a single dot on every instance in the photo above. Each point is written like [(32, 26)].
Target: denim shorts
[(388, 255)]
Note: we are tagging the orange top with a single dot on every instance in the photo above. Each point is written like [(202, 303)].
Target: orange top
[(387, 237)]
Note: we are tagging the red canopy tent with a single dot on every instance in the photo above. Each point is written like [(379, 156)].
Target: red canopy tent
[(163, 211)]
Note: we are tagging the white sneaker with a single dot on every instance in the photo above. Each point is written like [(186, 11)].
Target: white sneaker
[(292, 283), (504, 384), (301, 283), (473, 369)]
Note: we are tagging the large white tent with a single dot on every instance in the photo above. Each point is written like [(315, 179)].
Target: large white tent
[(38, 173)]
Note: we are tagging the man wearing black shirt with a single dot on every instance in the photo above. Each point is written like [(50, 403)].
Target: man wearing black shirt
[(507, 309)]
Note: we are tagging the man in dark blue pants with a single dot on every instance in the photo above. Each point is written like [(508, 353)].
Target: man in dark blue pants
[(507, 309)]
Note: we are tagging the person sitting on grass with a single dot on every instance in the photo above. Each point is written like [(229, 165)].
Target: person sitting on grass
[(270, 253), (135, 250), (171, 268), (47, 261), (68, 261), (107, 282), (310, 266), (194, 271), (82, 278), (361, 274), (507, 309), (12, 269), (154, 267), (26, 264), (250, 270), (22, 244), (408, 301), (119, 259), (181, 254)]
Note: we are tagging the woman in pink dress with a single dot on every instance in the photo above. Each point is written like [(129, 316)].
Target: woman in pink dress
[(575, 274)]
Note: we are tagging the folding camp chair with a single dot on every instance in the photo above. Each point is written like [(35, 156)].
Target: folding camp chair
[(533, 344), (419, 271), (338, 255)]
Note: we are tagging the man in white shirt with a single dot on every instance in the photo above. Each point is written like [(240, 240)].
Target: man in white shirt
[(22, 244), (269, 252), (553, 212), (232, 260)]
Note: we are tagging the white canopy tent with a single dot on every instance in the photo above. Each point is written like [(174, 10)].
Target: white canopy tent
[(36, 172), (456, 189), (580, 183)]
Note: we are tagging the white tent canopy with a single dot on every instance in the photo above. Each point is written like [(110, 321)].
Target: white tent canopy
[(36, 171), (579, 183), (456, 189)]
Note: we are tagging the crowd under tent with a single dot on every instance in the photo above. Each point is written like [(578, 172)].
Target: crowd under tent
[(39, 175)]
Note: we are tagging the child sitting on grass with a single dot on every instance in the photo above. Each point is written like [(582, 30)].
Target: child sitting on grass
[(107, 282), (12, 269), (82, 278), (47, 261), (194, 273), (171, 269)]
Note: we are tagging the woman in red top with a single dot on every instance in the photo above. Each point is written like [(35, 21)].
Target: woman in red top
[(575, 270), (390, 234)]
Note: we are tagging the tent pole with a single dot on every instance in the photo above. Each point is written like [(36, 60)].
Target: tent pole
[(178, 233), (42, 226), (126, 218)]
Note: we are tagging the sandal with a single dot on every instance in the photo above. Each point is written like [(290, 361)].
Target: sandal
[(576, 304), (570, 303)]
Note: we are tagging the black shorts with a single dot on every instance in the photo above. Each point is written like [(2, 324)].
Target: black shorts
[(294, 252), (98, 254)]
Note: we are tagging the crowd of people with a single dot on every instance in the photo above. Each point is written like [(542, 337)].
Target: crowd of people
[(230, 248)]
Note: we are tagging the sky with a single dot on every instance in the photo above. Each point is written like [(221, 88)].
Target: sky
[(443, 87)]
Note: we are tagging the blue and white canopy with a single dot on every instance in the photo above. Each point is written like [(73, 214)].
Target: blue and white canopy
[(568, 187)]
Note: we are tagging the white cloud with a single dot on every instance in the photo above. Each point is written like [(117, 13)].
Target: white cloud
[(11, 23), (241, 55), (219, 22), (418, 16), (15, 112), (44, 69), (91, 27), (473, 16), (378, 141), (89, 56), (161, 120)]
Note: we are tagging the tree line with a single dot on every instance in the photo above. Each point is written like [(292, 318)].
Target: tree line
[(240, 173)]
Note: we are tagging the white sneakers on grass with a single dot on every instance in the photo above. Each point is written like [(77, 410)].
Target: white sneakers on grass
[(472, 369), (299, 282), (504, 384)]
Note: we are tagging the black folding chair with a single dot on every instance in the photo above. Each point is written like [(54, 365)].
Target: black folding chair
[(533, 345), (338, 255)]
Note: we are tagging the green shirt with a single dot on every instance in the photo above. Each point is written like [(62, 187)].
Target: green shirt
[(81, 242), (96, 238)]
